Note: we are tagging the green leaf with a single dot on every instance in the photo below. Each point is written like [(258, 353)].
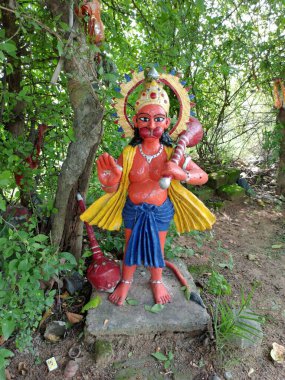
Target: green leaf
[(157, 308), (132, 302), (200, 5), (170, 355), (40, 238), (60, 47), (5, 178), (24, 265), (277, 246), (186, 291), (9, 47), (2, 204), (7, 328), (68, 257), (92, 304), (4, 353), (167, 364), (159, 356)]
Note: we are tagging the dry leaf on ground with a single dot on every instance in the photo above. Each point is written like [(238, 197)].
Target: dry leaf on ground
[(74, 318)]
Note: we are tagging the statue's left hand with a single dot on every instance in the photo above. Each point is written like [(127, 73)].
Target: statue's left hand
[(174, 171)]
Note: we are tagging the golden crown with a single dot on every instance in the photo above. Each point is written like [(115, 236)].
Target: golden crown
[(153, 93)]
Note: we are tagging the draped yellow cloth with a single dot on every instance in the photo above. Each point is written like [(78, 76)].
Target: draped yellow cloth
[(190, 212)]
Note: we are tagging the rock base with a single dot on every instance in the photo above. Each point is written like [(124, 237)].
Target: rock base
[(180, 315)]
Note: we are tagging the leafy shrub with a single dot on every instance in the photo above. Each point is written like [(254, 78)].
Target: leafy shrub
[(25, 260), (218, 285)]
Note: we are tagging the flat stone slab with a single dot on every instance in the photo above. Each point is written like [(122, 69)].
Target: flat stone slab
[(180, 315)]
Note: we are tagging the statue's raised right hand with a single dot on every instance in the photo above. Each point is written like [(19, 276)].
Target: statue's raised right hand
[(109, 172)]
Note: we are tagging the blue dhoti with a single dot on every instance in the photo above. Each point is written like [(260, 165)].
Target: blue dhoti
[(145, 221)]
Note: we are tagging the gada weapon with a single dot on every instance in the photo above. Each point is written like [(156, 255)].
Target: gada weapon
[(102, 273)]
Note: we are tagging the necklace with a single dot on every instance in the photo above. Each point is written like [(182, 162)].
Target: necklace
[(149, 157)]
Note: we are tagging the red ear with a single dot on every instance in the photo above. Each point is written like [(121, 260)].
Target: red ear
[(167, 122)]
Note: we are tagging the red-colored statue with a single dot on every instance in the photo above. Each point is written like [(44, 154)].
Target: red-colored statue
[(94, 25), (136, 190)]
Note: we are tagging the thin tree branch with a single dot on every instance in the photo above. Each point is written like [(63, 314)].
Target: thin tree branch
[(35, 20)]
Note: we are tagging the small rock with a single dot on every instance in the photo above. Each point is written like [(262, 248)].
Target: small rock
[(103, 351), (214, 377), (206, 342), (70, 369), (55, 330), (251, 257), (228, 375), (74, 283), (278, 353)]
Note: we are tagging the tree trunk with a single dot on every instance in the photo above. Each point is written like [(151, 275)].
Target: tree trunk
[(66, 227), (281, 165)]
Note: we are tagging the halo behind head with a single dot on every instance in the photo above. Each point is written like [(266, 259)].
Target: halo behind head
[(153, 79)]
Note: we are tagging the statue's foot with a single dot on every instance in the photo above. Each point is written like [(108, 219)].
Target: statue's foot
[(159, 291), (120, 293)]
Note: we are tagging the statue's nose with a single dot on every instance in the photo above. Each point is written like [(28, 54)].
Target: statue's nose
[(152, 123)]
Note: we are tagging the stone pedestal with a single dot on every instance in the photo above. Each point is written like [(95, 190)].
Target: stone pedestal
[(180, 315)]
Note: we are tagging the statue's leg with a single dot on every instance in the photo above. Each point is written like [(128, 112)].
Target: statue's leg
[(159, 291), (120, 293)]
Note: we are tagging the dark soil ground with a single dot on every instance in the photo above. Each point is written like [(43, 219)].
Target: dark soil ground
[(247, 246)]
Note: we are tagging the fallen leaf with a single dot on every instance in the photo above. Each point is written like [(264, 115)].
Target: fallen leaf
[(132, 302), (65, 295), (73, 317), (278, 353), (250, 372), (92, 304), (106, 322), (159, 356), (8, 375), (47, 314), (277, 246), (155, 308), (22, 368), (260, 202)]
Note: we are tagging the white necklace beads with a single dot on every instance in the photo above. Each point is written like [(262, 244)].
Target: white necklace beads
[(149, 157)]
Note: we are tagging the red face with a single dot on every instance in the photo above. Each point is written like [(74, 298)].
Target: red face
[(151, 120)]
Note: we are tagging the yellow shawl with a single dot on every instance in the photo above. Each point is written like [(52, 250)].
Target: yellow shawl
[(190, 212)]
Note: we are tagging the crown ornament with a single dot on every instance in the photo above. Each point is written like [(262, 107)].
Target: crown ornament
[(153, 93)]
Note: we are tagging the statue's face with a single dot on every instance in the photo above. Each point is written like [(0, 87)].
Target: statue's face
[(151, 120)]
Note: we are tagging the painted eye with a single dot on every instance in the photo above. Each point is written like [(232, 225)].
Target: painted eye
[(144, 119), (159, 119)]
